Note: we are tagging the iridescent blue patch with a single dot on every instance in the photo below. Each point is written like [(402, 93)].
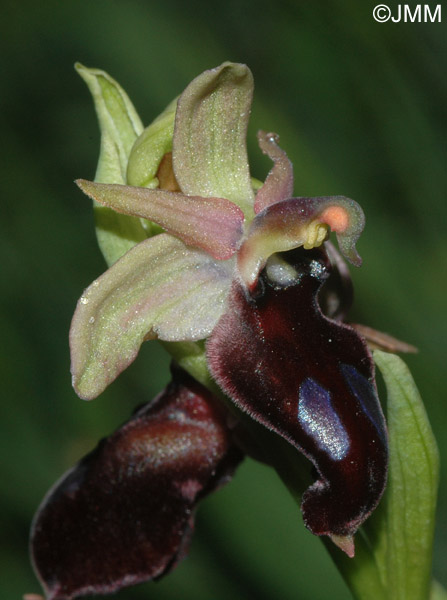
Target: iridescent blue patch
[(320, 421), (366, 395)]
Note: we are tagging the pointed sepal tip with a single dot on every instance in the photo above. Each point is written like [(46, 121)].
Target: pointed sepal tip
[(345, 543)]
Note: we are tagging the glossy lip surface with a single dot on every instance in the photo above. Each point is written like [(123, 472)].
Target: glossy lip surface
[(293, 352), (125, 513)]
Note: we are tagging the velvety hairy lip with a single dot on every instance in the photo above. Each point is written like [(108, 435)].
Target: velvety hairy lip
[(125, 513), (311, 380)]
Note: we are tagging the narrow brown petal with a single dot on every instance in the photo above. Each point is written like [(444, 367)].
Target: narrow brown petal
[(279, 183), (382, 341)]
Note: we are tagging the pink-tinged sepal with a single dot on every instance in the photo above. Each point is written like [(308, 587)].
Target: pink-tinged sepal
[(212, 224), (125, 513), (297, 222), (311, 380)]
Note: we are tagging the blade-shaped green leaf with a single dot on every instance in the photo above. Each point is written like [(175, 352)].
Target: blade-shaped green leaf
[(209, 148), (410, 500), (150, 148), (438, 592), (160, 288), (394, 547), (120, 126)]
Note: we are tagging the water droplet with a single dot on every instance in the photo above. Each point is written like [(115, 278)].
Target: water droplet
[(91, 320), (84, 300)]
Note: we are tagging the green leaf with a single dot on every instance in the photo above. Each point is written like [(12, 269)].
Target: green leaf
[(437, 591), (149, 149), (405, 555), (209, 149), (394, 547), (120, 126)]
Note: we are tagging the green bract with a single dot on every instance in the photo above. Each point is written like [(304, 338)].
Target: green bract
[(394, 548), (404, 549)]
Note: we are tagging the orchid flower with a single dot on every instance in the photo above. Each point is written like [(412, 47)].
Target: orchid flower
[(249, 269), (125, 514)]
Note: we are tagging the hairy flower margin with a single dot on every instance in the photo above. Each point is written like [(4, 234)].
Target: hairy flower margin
[(245, 266)]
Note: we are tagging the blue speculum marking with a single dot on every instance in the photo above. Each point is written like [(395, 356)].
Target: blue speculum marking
[(365, 394), (320, 421)]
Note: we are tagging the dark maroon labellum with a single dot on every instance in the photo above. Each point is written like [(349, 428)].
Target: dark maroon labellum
[(125, 513), (311, 380)]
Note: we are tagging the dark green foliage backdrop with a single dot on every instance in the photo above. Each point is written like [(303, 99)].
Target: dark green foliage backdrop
[(360, 107)]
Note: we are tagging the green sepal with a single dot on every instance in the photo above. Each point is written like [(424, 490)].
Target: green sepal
[(160, 288), (209, 147), (120, 126), (149, 149)]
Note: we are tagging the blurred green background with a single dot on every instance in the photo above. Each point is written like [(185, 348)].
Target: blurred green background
[(361, 110)]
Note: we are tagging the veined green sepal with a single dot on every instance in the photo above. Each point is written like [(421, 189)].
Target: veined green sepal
[(160, 288), (209, 150), (120, 126)]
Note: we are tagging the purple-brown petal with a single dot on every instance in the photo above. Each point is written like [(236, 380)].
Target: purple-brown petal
[(279, 183), (311, 380), (125, 513), (336, 296)]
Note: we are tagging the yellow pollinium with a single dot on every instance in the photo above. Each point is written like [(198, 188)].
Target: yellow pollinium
[(316, 233)]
